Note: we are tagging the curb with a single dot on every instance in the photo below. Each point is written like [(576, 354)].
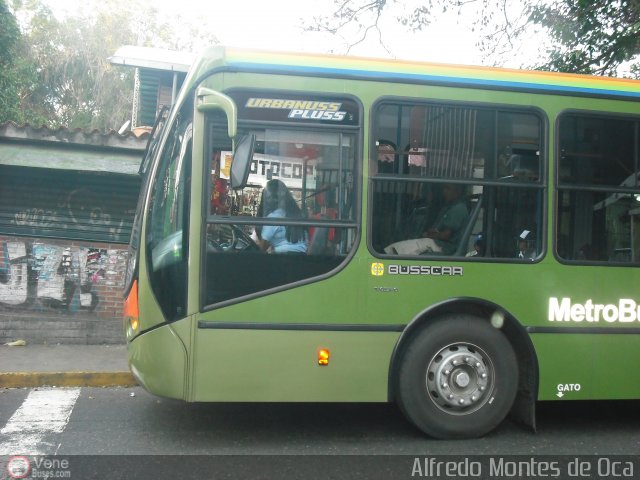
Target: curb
[(66, 379)]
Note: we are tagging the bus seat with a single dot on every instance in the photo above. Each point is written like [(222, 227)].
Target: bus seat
[(463, 243)]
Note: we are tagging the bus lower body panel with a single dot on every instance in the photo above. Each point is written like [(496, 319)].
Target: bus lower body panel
[(158, 361), (587, 366), (249, 365)]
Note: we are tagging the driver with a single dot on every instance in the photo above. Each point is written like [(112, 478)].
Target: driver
[(277, 202)]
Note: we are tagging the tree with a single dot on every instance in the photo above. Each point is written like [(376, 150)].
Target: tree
[(497, 23), (18, 78), (591, 36), (584, 36), (83, 89), (67, 57), (9, 40)]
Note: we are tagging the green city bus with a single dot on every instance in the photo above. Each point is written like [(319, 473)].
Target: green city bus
[(459, 240)]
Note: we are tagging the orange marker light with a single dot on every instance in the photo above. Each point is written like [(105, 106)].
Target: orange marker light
[(131, 311), (323, 357)]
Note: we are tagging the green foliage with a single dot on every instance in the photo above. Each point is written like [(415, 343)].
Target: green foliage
[(9, 35), (17, 76), (84, 90), (9, 40), (587, 36), (59, 71), (591, 36)]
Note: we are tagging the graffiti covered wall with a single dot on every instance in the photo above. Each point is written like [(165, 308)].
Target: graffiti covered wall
[(67, 202), (55, 279)]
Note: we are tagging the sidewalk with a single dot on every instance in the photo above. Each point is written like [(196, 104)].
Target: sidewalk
[(64, 366)]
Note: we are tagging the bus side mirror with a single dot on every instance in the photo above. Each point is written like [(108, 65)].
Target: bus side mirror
[(242, 156), (208, 99)]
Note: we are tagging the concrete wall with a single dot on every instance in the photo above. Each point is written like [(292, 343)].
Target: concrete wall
[(61, 291)]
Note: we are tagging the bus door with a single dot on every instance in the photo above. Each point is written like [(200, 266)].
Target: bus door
[(277, 246)]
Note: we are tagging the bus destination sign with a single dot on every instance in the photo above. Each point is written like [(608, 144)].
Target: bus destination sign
[(296, 109)]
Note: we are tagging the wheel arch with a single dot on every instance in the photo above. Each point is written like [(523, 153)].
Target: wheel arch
[(523, 409)]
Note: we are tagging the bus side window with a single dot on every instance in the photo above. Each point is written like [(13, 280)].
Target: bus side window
[(167, 232), (491, 154), (598, 214)]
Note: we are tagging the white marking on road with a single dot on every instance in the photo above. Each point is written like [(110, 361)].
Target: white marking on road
[(44, 412)]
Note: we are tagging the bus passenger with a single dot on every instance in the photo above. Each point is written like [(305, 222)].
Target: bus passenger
[(478, 247), (526, 246), (444, 234), (277, 202)]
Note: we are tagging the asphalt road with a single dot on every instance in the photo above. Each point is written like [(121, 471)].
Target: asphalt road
[(127, 422), (118, 421)]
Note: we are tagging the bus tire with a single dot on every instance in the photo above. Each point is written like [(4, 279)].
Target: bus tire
[(458, 378)]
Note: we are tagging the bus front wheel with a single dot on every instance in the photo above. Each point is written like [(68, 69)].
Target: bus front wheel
[(457, 378)]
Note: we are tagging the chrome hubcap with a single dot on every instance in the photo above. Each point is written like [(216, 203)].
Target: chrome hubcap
[(460, 378)]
